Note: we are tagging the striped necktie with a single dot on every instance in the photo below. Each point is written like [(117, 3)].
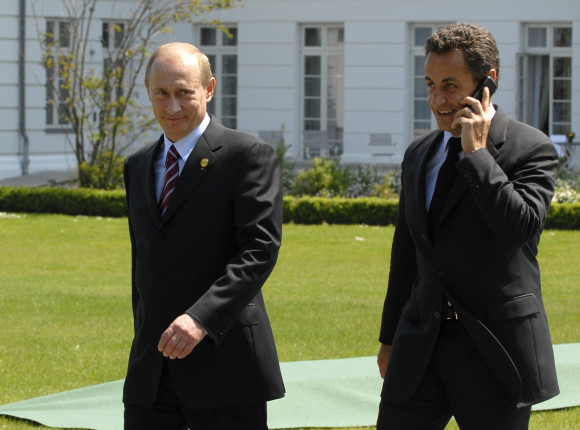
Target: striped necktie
[(171, 178)]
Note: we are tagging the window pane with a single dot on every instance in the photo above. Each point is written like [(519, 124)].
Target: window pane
[(421, 35), (562, 90), (208, 36), (312, 108), (312, 65), (312, 87), (233, 41), (422, 110), (420, 66), (105, 35), (229, 85), (421, 88), (561, 129), (212, 61), (229, 106), (312, 37), (335, 36), (119, 32), (537, 37), (211, 108), (311, 124), (229, 122), (64, 34), (230, 64), (562, 112), (563, 37), (563, 67)]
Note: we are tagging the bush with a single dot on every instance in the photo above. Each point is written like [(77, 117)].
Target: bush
[(68, 201), (303, 210), (325, 179), (318, 210)]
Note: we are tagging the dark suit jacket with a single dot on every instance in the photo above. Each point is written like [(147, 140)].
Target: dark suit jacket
[(483, 253), (208, 257)]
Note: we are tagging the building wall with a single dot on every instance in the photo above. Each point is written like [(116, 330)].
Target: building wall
[(377, 93)]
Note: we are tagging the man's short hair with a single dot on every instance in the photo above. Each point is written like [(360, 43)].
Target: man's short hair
[(203, 61), (478, 46)]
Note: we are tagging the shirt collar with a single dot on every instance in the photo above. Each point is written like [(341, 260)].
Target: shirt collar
[(185, 145)]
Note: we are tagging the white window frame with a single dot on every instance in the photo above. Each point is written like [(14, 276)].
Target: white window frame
[(223, 47), (61, 49), (419, 93), (332, 144), (551, 52)]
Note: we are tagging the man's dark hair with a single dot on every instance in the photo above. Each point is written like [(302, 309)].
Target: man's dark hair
[(477, 44)]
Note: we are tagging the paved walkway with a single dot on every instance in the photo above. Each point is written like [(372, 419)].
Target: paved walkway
[(39, 179)]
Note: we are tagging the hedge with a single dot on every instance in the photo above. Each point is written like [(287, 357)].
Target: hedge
[(303, 210)]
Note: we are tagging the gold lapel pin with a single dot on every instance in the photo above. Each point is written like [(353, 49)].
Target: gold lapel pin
[(204, 162)]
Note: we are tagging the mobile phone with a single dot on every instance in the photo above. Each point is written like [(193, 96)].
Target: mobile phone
[(485, 82)]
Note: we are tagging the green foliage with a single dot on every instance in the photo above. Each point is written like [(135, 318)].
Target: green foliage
[(326, 178), (73, 201), (298, 210), (105, 174), (318, 210)]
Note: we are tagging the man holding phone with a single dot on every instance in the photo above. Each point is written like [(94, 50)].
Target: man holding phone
[(464, 331)]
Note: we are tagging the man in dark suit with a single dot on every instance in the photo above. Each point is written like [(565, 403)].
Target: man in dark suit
[(464, 331), (205, 220)]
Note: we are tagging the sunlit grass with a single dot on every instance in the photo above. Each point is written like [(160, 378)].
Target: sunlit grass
[(65, 317)]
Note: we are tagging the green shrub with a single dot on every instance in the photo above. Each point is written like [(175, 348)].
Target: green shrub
[(68, 201), (325, 179), (302, 210), (318, 210), (564, 216)]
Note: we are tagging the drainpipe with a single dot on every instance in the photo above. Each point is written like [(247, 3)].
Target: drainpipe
[(22, 91)]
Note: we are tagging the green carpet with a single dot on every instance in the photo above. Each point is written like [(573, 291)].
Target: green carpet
[(322, 393)]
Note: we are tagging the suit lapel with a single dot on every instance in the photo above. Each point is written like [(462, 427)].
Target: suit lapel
[(149, 179), (200, 162), (417, 179)]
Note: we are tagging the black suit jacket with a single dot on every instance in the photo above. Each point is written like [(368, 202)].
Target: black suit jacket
[(208, 257), (483, 254)]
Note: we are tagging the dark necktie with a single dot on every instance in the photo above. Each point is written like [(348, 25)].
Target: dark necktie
[(171, 177), (445, 179)]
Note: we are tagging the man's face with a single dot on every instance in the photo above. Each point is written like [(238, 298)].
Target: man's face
[(176, 93), (449, 81)]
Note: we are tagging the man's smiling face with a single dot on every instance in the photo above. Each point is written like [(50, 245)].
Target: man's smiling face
[(449, 81)]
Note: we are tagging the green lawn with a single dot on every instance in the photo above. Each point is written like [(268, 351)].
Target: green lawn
[(65, 318)]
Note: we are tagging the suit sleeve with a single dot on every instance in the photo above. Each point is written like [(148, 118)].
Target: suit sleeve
[(402, 275), (257, 217), (513, 193)]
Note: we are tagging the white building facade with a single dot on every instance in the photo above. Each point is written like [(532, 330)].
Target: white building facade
[(335, 78)]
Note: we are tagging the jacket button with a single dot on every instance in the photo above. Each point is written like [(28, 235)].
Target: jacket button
[(436, 315), (441, 274)]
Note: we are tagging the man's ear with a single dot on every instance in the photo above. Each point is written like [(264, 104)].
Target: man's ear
[(209, 90)]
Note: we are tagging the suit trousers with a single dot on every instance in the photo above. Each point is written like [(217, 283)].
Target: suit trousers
[(168, 413), (458, 383)]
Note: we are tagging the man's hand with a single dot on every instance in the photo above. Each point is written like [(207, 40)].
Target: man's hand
[(383, 359), (181, 337), (474, 122)]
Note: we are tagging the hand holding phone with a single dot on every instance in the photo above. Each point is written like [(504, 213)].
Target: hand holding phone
[(485, 82)]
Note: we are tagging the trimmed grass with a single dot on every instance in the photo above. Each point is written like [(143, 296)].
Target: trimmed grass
[(65, 317)]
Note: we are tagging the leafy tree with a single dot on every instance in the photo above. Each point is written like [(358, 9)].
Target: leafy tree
[(98, 104)]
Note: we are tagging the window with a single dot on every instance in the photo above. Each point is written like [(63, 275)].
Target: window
[(323, 89), (221, 49), (545, 78), (112, 38), (423, 121), (58, 43)]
